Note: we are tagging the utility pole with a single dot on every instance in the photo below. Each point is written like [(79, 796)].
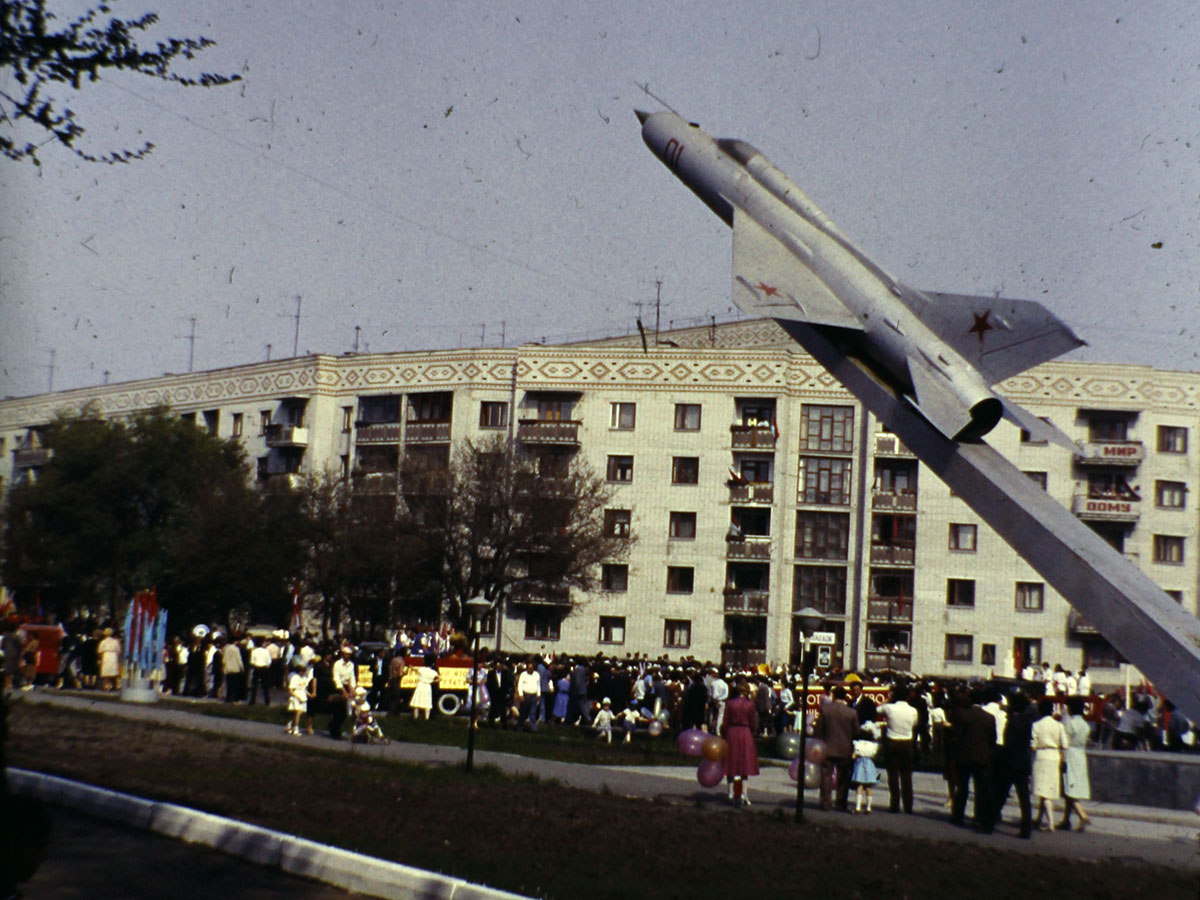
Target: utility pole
[(296, 339), (657, 307), (190, 337), (356, 331), (482, 333), (268, 352), (502, 332), (50, 375)]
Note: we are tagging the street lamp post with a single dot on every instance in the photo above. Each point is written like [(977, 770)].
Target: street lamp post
[(477, 609), (809, 619)]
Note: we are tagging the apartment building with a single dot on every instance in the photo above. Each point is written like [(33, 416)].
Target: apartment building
[(754, 483)]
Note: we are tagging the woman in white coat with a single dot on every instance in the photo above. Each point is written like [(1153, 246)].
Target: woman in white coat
[(1076, 786), (1049, 740)]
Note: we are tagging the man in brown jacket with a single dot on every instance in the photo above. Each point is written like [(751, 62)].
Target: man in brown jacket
[(837, 727)]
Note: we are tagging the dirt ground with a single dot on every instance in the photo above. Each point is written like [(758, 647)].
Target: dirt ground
[(544, 839)]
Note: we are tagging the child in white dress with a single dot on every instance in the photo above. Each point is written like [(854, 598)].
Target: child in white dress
[(603, 722), (865, 775)]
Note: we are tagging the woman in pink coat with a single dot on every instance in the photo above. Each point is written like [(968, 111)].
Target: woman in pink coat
[(738, 729)]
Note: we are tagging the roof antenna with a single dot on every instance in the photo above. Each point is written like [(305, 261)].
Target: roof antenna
[(649, 93)]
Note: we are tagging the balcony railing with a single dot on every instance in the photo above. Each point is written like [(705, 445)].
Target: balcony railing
[(889, 609), (426, 432), (286, 436), (377, 432), (1107, 509), (742, 601), (751, 549), (892, 500), (755, 492), (752, 437), (890, 445), (540, 596), (735, 656), (1111, 453), (888, 659), (31, 457), (538, 431), (892, 554)]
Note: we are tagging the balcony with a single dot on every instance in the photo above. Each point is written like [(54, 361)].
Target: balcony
[(892, 555), (889, 659), (892, 500), (889, 609), (540, 595), (890, 445), (286, 436), (752, 437), (746, 601), (1111, 453), (1113, 508), (751, 549), (549, 432), (755, 492), (736, 656), (427, 432), (377, 432), (31, 457), (1078, 625)]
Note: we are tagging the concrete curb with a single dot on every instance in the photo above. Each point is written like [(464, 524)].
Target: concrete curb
[(345, 869)]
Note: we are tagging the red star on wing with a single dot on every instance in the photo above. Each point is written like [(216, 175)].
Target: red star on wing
[(767, 289), (981, 325)]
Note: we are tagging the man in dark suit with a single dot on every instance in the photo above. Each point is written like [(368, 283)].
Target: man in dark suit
[(1015, 761), (863, 705), (974, 742), (500, 690), (837, 727)]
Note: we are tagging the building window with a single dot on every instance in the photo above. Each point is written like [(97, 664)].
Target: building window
[(623, 416), (381, 409), (212, 421), (1172, 439), (962, 536), (677, 634), (616, 522), (895, 476), (1028, 438), (683, 525), (825, 479), (237, 426), (1175, 595), (827, 428), (1104, 430), (347, 418), (755, 470), (685, 470), (264, 420), (620, 468), (345, 466), (987, 654), (614, 577), (822, 535), (1038, 478), (493, 414), (822, 587), (960, 648), (687, 416), (543, 624), (1031, 596), (1027, 652), (1168, 548), (680, 579), (960, 592), (1170, 494), (430, 407), (1100, 654), (263, 468), (612, 629)]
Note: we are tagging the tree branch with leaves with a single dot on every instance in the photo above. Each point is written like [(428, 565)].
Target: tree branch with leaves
[(42, 52)]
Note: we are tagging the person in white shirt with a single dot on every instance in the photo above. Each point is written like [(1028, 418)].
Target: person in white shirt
[(260, 673), (344, 674), (529, 692), (301, 688), (1083, 685), (718, 692), (901, 718)]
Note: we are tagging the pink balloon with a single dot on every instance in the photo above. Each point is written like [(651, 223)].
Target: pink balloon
[(689, 742), (794, 770), (815, 750), (710, 772)]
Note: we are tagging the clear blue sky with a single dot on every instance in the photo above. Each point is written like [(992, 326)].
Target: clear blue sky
[(428, 171)]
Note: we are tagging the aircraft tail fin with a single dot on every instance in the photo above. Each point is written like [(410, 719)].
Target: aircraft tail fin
[(1000, 337)]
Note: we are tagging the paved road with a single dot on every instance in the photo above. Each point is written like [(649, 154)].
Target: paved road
[(90, 859), (1119, 831)]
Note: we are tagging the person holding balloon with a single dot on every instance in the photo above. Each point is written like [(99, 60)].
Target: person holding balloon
[(738, 729)]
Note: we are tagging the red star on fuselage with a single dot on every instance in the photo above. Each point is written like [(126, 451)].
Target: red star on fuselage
[(767, 289), (981, 325)]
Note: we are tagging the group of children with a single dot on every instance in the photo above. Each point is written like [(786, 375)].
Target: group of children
[(605, 719)]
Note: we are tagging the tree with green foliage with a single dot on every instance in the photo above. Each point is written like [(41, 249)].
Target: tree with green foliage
[(503, 524), (43, 54), (149, 502)]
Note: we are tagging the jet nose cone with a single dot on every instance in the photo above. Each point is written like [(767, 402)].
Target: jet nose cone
[(642, 115)]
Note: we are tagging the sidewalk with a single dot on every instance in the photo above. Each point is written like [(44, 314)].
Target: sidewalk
[(1118, 831)]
